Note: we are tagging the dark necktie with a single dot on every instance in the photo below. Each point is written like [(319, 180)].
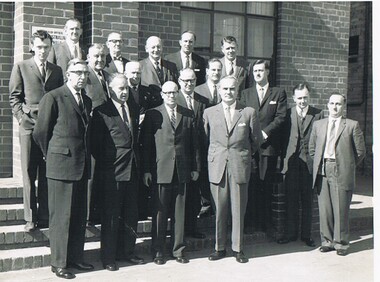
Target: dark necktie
[(231, 72), (101, 78), (75, 52), (261, 95), (331, 141), (172, 119), (81, 106), (125, 115), (159, 73), (43, 72), (187, 65), (214, 95), (189, 102)]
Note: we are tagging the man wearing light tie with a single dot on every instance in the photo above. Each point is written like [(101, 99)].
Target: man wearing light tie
[(29, 81), (234, 136), (115, 62), (337, 147)]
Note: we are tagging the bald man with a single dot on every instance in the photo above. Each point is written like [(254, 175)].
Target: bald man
[(115, 62)]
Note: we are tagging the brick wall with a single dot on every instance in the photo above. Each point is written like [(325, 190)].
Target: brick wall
[(359, 94), (6, 53), (160, 19)]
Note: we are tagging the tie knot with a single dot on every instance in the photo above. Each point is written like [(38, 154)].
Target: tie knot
[(118, 59)]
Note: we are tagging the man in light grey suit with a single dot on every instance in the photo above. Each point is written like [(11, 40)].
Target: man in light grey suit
[(337, 147), (234, 136)]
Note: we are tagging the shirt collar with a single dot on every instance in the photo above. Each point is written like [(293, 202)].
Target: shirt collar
[(266, 86), (38, 61), (117, 104), (169, 110), (232, 106), (72, 90), (227, 61), (304, 111), (154, 62), (336, 119), (211, 85), (72, 44), (191, 95), (183, 55)]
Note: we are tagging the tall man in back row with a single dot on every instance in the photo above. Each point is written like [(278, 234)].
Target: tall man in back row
[(337, 147), (271, 105), (29, 81)]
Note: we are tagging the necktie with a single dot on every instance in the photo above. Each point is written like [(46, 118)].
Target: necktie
[(81, 106), (118, 59), (228, 118), (159, 72), (125, 115), (187, 65), (331, 141), (101, 78), (135, 94), (261, 95), (189, 102), (215, 96), (172, 119), (43, 72), (231, 72), (75, 53)]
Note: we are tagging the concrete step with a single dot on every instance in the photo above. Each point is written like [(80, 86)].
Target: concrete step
[(11, 214)]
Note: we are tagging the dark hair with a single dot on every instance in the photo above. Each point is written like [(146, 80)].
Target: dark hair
[(213, 60), (115, 75), (301, 86), (228, 39), (41, 34), (189, 31), (261, 61)]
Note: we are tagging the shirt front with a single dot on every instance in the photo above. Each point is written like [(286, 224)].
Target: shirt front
[(232, 109), (228, 65), (183, 59), (302, 113), (211, 88), (118, 61), (154, 62), (187, 97), (73, 92), (73, 47), (265, 87), (120, 111), (337, 123), (38, 63)]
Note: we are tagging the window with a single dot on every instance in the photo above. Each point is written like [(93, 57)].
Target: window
[(251, 23)]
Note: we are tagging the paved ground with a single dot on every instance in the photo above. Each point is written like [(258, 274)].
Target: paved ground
[(268, 262)]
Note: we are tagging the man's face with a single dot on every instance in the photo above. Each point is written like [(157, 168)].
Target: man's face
[(72, 31), (301, 98), (187, 43), (214, 72), (77, 76), (114, 44), (154, 48), (119, 89), (169, 94), (227, 90), (96, 59), (41, 48), (260, 73), (133, 73), (187, 82), (229, 50), (335, 106)]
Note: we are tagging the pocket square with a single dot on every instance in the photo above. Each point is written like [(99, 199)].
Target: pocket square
[(242, 124), (197, 70), (272, 102)]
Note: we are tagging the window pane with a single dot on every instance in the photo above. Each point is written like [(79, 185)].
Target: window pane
[(224, 25), (229, 6), (202, 5), (200, 24), (260, 38), (260, 8)]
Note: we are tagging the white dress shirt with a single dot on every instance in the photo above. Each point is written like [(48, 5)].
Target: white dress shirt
[(337, 123)]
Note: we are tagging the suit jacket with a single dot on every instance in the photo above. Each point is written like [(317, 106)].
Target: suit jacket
[(234, 148), (292, 134), (27, 88), (349, 150), (149, 75), (240, 73), (204, 91), (146, 97), (200, 104), (198, 65), (272, 116), (60, 55), (113, 143), (164, 149), (95, 90), (62, 133), (110, 64)]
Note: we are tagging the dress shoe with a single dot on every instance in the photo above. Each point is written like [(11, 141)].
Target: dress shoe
[(110, 267), (159, 258), (134, 260), (342, 252), (240, 257), (217, 255), (325, 249), (181, 259), (81, 266), (43, 224), (29, 226), (62, 272), (285, 240), (308, 241), (196, 235)]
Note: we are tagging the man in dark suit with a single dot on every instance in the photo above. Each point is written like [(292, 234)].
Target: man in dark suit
[(29, 81), (63, 52), (187, 98), (114, 143), (62, 133), (156, 70), (271, 105), (298, 166), (231, 64), (234, 135), (115, 62), (337, 147), (186, 58), (209, 89), (169, 139), (143, 98)]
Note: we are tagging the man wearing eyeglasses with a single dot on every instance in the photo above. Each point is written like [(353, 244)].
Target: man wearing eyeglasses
[(62, 133), (115, 62), (29, 81), (170, 163)]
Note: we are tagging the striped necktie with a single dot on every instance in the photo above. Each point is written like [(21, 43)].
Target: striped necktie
[(172, 119)]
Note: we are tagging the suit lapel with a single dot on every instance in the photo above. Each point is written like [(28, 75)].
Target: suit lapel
[(119, 121), (342, 125), (48, 70), (221, 118), (294, 118), (308, 119), (72, 100), (66, 49), (266, 96), (324, 133), (178, 118), (35, 69), (237, 116)]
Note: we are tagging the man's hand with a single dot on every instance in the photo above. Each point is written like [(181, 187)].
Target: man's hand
[(147, 179), (194, 175)]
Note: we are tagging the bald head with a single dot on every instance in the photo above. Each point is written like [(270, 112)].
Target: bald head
[(133, 73), (153, 47), (169, 94)]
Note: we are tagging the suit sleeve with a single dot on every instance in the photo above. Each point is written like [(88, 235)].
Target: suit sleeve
[(147, 142), (359, 143), (16, 92), (46, 121), (312, 141), (280, 115), (256, 136), (196, 166)]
